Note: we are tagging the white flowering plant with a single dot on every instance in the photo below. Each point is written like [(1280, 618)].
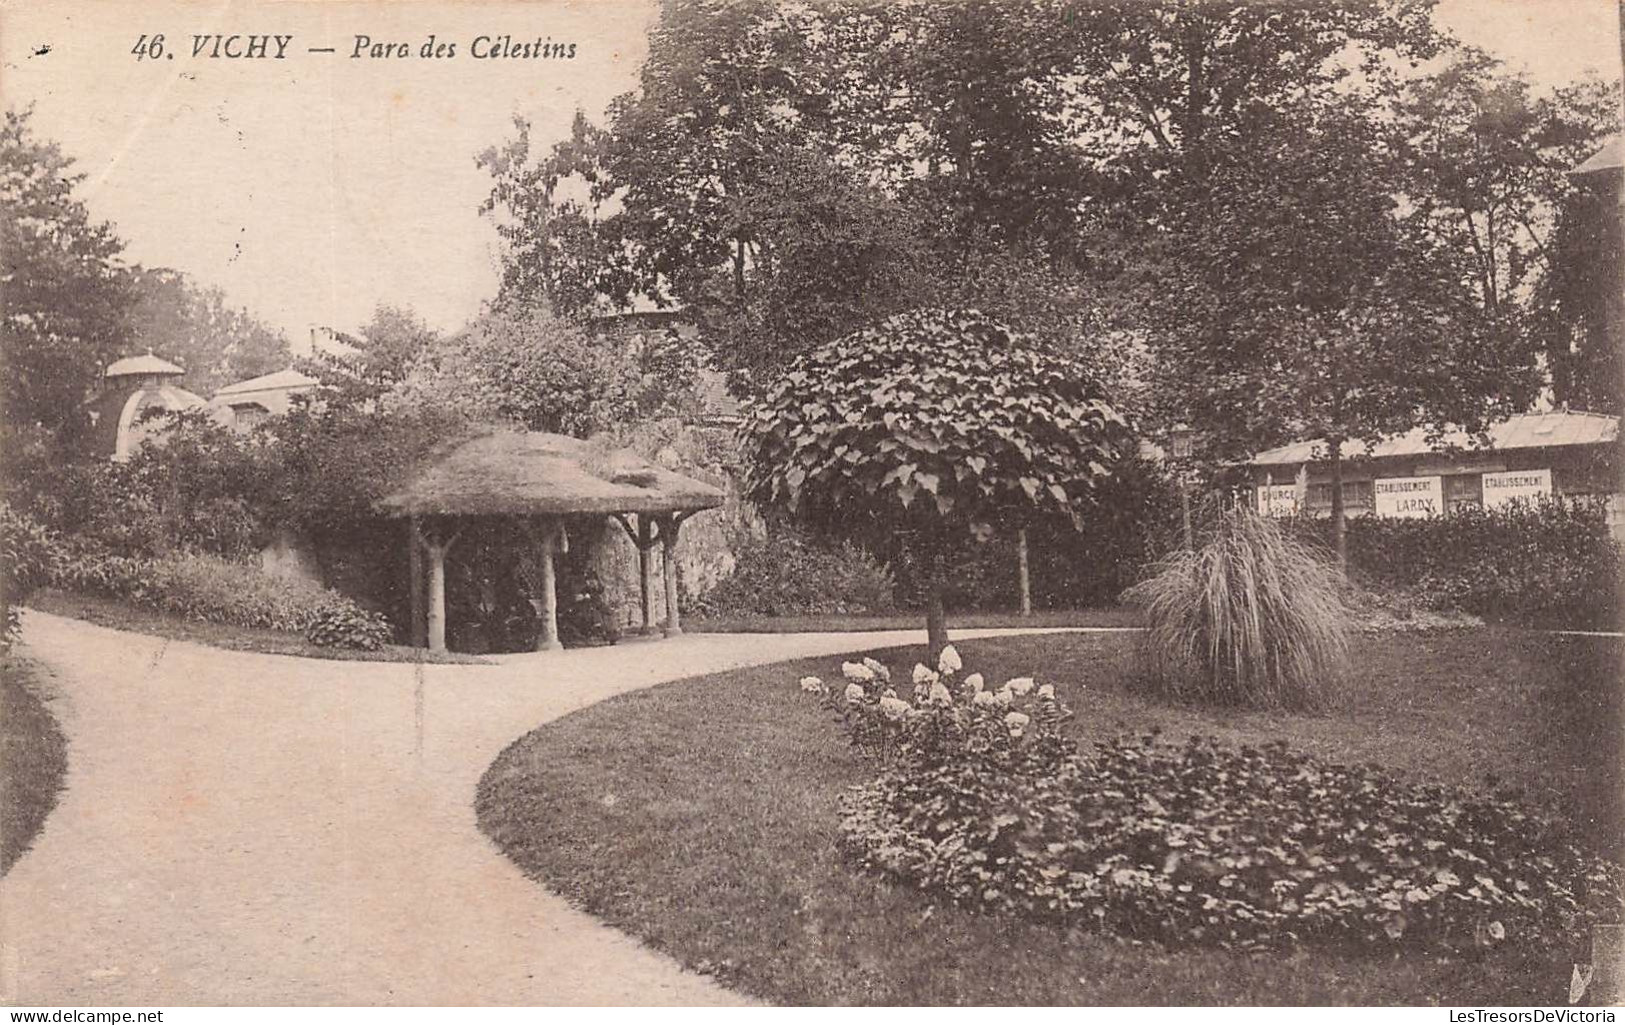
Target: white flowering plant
[(980, 799), (945, 717)]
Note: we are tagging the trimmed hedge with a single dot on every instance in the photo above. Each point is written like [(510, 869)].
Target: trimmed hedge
[(1549, 562)]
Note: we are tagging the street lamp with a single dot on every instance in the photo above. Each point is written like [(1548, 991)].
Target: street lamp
[(1181, 447)]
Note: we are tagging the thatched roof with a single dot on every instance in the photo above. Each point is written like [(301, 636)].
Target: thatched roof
[(515, 473)]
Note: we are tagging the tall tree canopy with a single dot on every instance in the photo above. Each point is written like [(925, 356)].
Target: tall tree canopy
[(66, 290), (195, 326)]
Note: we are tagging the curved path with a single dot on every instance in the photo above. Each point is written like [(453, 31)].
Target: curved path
[(257, 829)]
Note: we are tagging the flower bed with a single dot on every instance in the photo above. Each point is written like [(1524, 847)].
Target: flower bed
[(981, 800)]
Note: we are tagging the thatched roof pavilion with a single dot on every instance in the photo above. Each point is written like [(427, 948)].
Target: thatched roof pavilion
[(539, 478)]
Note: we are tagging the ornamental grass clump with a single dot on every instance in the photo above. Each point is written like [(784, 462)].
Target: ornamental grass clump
[(981, 800), (1252, 617)]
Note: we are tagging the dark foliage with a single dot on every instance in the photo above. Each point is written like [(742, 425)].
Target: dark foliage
[(789, 573), (1552, 562), (26, 558), (981, 800), (341, 623)]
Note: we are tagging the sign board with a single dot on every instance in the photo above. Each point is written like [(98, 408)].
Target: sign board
[(1409, 497), (1277, 499), (1504, 488)]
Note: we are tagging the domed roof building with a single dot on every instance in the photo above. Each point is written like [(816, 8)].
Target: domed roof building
[(130, 388)]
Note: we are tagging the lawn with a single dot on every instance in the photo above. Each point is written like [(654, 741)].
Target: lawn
[(33, 758), (700, 817), (123, 616), (833, 623)]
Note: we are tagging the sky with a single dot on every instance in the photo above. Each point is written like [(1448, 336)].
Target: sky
[(312, 188)]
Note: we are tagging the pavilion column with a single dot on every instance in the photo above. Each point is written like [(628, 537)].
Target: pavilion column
[(646, 585), (415, 582), (668, 544), (551, 543), (438, 543), (437, 595)]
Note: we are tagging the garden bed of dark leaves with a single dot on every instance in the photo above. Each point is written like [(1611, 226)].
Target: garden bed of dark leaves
[(980, 800)]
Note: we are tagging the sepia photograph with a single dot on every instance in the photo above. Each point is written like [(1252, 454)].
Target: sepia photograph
[(515, 504)]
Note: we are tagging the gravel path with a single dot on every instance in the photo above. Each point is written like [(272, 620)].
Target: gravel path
[(258, 829)]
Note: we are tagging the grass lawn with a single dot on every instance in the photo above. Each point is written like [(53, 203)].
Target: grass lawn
[(33, 757), (123, 616), (700, 816), (911, 621)]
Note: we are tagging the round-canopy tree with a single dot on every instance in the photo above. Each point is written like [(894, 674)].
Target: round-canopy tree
[(933, 428)]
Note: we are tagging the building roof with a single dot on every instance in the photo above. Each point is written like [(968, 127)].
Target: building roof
[(1531, 430), (132, 366), (279, 381), (518, 473), (1610, 158)]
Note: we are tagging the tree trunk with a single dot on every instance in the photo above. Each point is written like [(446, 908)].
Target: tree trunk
[(1024, 572), (936, 620), (1340, 543)]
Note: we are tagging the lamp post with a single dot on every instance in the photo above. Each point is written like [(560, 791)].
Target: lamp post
[(1181, 446)]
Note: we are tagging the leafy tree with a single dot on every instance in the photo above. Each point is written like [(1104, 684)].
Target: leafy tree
[(936, 426), (1169, 83), (195, 327), (1299, 303), (561, 250), (1579, 307), (376, 360), (66, 292), (1488, 170), (527, 367)]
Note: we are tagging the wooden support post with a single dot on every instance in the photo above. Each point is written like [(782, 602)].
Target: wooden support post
[(417, 630), (668, 544), (437, 594), (439, 544), (549, 640), (646, 584), (1024, 572)]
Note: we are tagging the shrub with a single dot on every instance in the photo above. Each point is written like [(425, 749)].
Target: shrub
[(1553, 560), (788, 574), (1252, 617), (339, 622), (26, 559), (1133, 520), (214, 590), (980, 800), (209, 589)]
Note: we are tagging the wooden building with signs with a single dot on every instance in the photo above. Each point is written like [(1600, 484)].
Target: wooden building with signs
[(1556, 453)]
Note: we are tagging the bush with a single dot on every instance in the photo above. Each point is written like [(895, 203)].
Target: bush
[(214, 590), (980, 800), (1549, 561), (340, 623), (1131, 520), (788, 574), (1252, 617), (209, 589), (26, 559)]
